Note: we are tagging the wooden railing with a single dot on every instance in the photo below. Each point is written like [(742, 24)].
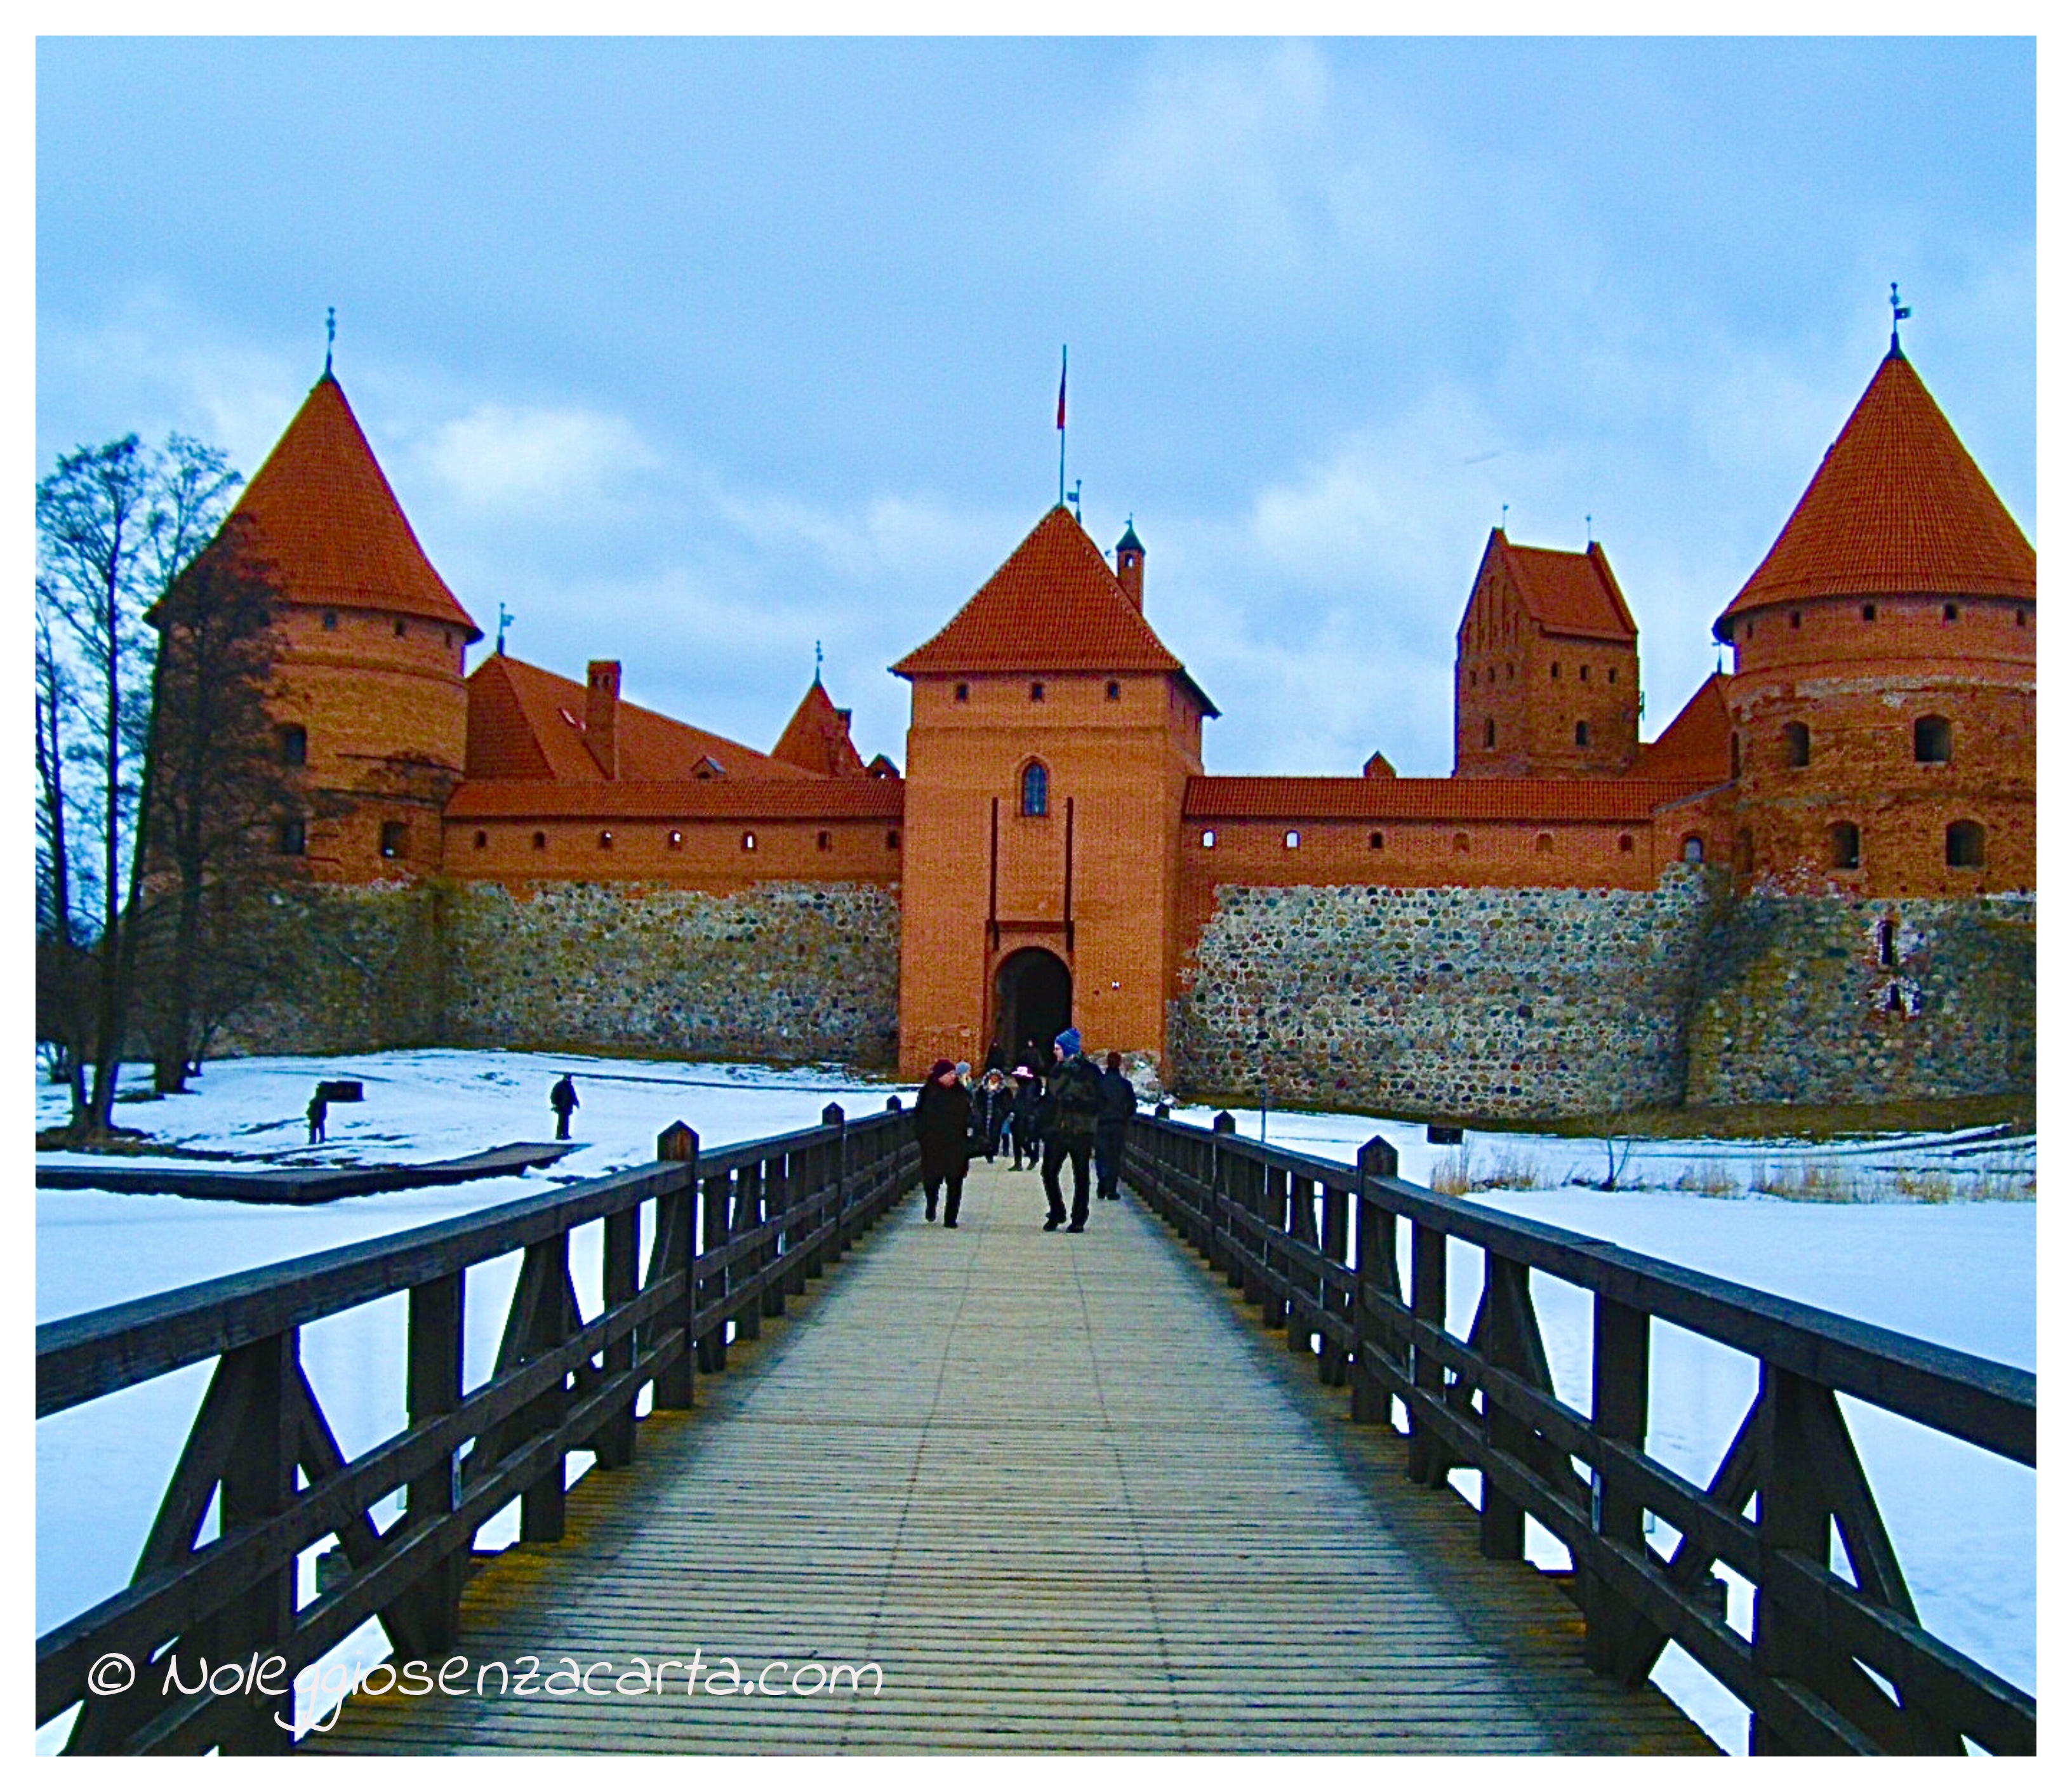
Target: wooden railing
[(728, 1236), (1833, 1664)]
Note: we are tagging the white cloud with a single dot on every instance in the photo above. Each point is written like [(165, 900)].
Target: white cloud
[(514, 458)]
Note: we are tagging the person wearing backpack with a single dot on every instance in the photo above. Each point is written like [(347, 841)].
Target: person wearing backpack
[(1071, 1114), (1118, 1105)]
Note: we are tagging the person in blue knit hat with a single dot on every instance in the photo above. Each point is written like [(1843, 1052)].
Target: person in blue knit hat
[(1072, 1110)]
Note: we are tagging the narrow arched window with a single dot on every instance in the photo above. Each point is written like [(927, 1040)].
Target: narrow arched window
[(1626, 843), (1845, 845), (1734, 755), (1582, 733), (1964, 845), (294, 745), (1694, 849), (1488, 732), (1374, 843), (1888, 942), (481, 838), (395, 839), (823, 841), (1291, 840), (1035, 788), (292, 838), (1798, 744), (748, 843), (1543, 843), (1459, 843), (1208, 837), (1931, 740), (604, 839), (539, 843)]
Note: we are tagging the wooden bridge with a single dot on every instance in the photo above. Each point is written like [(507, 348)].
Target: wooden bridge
[(999, 1489)]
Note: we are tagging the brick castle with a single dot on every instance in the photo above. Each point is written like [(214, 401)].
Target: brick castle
[(1816, 883)]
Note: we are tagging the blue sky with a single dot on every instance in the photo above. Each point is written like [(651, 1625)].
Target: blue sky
[(692, 352)]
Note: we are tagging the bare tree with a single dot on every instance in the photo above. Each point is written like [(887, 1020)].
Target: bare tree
[(113, 524), (221, 793)]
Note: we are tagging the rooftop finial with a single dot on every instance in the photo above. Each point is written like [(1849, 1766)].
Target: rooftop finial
[(1898, 311), (1503, 520), (1589, 529), (504, 619), (331, 336), (817, 662)]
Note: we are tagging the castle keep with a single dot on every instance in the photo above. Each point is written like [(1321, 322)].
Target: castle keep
[(1816, 884)]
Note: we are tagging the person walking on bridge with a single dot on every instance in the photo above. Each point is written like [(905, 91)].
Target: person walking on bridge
[(1118, 1106), (1022, 1126), (942, 1128), (992, 1102), (1070, 1112)]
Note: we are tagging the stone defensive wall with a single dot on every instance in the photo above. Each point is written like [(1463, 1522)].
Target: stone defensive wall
[(1448, 1002), (1541, 1004), (782, 971), (1832, 999)]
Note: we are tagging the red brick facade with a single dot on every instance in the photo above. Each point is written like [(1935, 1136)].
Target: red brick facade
[(1056, 829)]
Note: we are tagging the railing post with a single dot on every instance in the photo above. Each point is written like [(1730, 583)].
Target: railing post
[(437, 1312), (614, 1442), (1426, 1458), (1792, 1515), (1334, 1241), (1506, 1296), (1221, 1257), (674, 1251), (1374, 1240), (1619, 1412), (716, 1222), (259, 1484), (838, 1157), (543, 1507)]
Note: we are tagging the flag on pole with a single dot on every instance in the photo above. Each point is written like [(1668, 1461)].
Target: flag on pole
[(1062, 363)]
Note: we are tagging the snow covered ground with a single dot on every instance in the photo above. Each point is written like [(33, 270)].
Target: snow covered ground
[(1961, 1271)]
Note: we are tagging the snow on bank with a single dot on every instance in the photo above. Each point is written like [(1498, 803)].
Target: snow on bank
[(1961, 1273)]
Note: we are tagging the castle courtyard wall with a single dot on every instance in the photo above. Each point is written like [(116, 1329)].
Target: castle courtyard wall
[(782, 971), (1450, 1002)]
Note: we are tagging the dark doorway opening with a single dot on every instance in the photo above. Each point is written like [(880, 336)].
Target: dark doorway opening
[(1032, 993)]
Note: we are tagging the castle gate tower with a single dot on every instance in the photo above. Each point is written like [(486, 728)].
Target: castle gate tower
[(1051, 739), (1883, 700)]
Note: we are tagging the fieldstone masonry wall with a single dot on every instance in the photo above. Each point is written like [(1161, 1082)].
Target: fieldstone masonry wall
[(361, 969), (1828, 999), (1448, 1002), (781, 971)]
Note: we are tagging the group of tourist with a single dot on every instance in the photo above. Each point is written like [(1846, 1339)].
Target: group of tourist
[(1050, 1112)]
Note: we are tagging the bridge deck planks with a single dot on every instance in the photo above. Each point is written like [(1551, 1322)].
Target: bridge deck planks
[(1068, 1495)]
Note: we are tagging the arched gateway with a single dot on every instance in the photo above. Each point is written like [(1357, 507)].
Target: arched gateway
[(1032, 999)]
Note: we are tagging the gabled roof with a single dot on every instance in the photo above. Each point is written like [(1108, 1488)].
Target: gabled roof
[(319, 513), (816, 738), (1697, 743), (1897, 505), (1565, 593), (1054, 605), (525, 723)]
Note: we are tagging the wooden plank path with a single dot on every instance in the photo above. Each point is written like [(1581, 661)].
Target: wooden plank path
[(1067, 1495)]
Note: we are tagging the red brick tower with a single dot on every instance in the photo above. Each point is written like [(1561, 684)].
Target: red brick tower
[(1047, 760), (1547, 667), (1883, 702), (368, 693)]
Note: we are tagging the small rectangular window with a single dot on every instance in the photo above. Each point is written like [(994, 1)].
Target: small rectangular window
[(964, 693), (1114, 691), (1208, 837), (395, 839), (1036, 691), (294, 838)]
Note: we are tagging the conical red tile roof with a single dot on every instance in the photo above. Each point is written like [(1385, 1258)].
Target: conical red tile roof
[(321, 514), (1054, 605), (817, 738), (1898, 505)]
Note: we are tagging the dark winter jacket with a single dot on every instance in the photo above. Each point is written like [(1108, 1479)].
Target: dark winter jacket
[(1072, 1103), (1118, 1101), (989, 1108), (942, 1123), (1028, 1100)]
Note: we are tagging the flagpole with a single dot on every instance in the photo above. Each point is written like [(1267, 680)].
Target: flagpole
[(1063, 361)]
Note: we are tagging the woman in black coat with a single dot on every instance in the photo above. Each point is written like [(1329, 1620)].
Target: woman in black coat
[(942, 1123)]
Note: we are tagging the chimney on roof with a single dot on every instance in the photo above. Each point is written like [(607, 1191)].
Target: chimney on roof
[(1129, 563), (600, 715)]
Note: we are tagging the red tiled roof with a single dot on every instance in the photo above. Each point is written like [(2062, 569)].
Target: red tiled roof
[(1565, 593), (1897, 505), (525, 723), (320, 513), (1696, 744), (680, 798), (1054, 605), (1430, 798), (816, 738)]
